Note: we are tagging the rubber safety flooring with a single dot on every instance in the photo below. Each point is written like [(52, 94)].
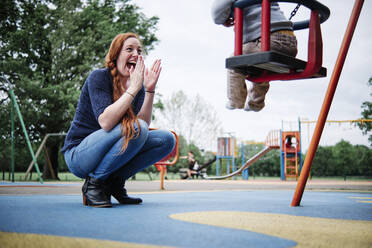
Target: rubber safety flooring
[(204, 214)]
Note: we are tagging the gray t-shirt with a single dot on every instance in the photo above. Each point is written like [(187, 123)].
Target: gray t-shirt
[(223, 9)]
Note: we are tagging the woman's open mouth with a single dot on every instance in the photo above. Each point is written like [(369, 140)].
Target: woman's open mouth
[(131, 65)]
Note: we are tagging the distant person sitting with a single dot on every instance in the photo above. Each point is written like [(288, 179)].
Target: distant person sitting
[(193, 165), (282, 40), (191, 160), (195, 168)]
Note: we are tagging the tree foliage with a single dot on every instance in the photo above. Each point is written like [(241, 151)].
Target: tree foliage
[(342, 159), (47, 49), (366, 127)]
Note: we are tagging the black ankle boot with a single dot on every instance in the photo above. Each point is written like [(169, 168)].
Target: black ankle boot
[(117, 190), (94, 194)]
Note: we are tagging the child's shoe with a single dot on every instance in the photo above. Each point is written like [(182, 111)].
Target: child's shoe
[(256, 96)]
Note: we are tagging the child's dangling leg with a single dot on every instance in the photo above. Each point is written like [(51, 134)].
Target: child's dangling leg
[(236, 90), (281, 41), (256, 96)]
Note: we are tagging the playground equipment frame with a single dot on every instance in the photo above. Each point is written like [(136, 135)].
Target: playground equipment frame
[(247, 164), (271, 142), (270, 65), (164, 162), (358, 4), (15, 108), (42, 145)]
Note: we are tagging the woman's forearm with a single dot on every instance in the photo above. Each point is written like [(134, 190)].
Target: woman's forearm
[(146, 109), (115, 112)]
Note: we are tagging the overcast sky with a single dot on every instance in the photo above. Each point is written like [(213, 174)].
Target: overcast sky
[(193, 51)]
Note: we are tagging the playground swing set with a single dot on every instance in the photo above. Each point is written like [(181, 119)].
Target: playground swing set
[(14, 109), (268, 66)]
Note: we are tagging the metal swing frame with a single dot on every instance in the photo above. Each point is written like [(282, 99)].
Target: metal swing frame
[(334, 79)]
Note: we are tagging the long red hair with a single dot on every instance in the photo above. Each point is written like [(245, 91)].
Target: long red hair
[(129, 118)]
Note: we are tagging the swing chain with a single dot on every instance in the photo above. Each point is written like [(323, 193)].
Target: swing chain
[(294, 11)]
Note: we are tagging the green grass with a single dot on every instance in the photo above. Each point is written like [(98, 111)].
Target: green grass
[(20, 176), (69, 177), (348, 178), (142, 176)]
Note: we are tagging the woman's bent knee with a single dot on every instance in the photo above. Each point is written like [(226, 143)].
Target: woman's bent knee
[(169, 140), (73, 168), (144, 128)]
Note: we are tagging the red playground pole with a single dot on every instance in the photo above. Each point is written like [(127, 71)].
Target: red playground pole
[(238, 32), (327, 102), (265, 26)]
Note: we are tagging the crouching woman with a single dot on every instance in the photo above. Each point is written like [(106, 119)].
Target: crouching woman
[(109, 140)]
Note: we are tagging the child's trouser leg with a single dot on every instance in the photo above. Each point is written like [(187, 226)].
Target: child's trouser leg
[(256, 96), (236, 90), (280, 42)]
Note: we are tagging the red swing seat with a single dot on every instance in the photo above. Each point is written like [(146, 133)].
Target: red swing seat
[(269, 65)]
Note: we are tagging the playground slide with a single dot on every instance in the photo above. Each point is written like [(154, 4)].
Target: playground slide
[(207, 164), (246, 165)]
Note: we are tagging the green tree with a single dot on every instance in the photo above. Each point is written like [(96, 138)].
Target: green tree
[(268, 165), (344, 158), (366, 127), (48, 48), (363, 162), (323, 162)]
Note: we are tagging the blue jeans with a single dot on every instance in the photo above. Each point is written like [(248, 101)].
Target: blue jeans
[(98, 155)]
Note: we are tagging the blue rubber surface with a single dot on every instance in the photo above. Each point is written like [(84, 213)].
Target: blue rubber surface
[(36, 184), (149, 223)]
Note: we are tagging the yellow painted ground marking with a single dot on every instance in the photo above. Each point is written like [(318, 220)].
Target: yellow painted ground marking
[(15, 240), (306, 231), (362, 198), (365, 198)]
